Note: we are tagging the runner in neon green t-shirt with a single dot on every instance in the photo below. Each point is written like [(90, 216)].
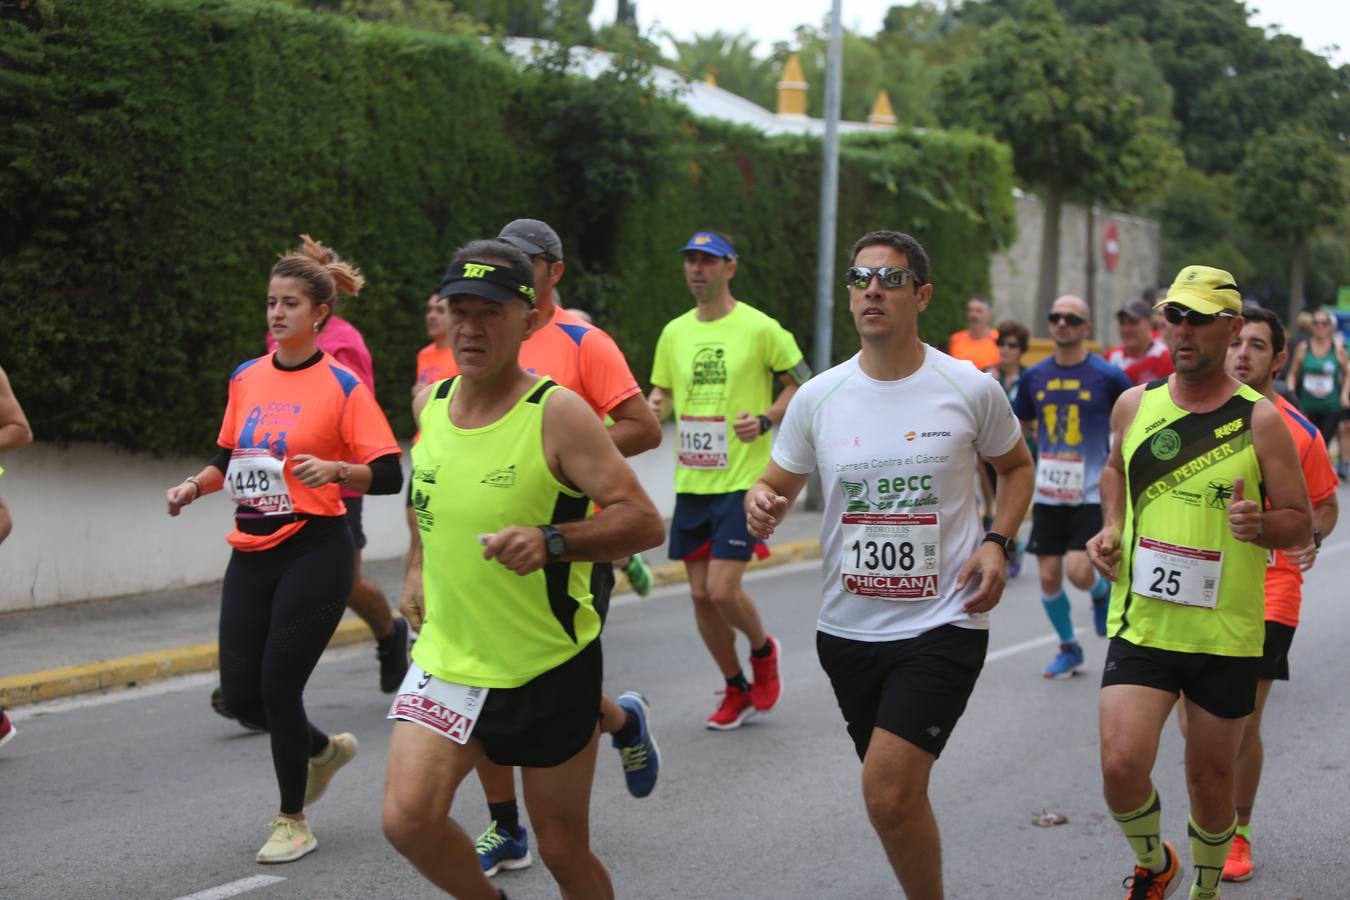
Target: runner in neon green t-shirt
[(715, 367)]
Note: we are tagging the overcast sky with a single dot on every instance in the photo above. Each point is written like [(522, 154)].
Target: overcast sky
[(1318, 22)]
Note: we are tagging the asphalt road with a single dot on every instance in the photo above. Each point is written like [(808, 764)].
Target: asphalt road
[(147, 794)]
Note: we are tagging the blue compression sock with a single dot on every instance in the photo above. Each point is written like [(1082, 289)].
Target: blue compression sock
[(1101, 589), (1057, 608)]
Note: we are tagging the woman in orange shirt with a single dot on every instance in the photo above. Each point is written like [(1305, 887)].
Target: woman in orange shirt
[(293, 419)]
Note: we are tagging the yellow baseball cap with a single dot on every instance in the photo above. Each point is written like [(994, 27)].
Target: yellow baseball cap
[(1205, 290)]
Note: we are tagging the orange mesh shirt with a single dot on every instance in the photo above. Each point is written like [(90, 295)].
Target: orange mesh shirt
[(982, 352), (581, 358), (1284, 581), (272, 416), (434, 363)]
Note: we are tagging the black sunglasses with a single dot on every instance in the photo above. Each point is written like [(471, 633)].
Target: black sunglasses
[(1321, 321), (1175, 315), (1017, 344), (1066, 318), (889, 276)]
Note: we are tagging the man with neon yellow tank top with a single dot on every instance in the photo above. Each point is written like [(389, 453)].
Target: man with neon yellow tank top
[(715, 366), (1185, 539), (507, 665)]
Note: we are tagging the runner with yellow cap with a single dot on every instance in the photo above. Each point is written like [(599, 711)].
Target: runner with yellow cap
[(1184, 538)]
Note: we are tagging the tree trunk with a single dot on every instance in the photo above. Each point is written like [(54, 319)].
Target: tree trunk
[(1090, 269), (1296, 300), (1047, 285)]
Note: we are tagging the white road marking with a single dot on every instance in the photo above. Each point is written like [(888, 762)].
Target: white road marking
[(234, 888), (1014, 649)]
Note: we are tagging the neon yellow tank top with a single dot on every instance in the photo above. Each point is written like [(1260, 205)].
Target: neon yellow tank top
[(1185, 583), (484, 625)]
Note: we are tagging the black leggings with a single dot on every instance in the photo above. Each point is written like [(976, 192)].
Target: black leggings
[(278, 609)]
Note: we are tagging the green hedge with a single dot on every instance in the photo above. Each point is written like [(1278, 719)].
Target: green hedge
[(164, 151)]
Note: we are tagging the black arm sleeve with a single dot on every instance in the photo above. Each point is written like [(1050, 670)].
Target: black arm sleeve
[(221, 460), (386, 475)]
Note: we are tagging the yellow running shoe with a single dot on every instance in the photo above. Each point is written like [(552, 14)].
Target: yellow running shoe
[(341, 750), (290, 840)]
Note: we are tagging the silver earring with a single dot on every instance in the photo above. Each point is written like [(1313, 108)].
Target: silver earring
[(316, 327)]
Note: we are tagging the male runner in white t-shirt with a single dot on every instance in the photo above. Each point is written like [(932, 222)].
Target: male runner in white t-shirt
[(909, 575)]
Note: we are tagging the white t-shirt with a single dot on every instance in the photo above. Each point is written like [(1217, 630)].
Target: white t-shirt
[(897, 465)]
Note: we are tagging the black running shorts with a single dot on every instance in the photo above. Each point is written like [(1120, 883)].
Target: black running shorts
[(1275, 658), (548, 720), (1055, 530), (1224, 686), (354, 506), (915, 688)]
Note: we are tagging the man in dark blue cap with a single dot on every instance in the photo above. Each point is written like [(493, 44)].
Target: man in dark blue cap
[(715, 366)]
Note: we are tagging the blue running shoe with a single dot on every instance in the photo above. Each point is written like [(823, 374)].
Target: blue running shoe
[(497, 850), (1069, 661), (1099, 608), (641, 758)]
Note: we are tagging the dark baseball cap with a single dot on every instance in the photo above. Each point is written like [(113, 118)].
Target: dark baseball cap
[(533, 237), (491, 281), (1137, 309)]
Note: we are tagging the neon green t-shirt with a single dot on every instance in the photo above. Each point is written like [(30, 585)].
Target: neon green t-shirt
[(1185, 583), (716, 370), (486, 626)]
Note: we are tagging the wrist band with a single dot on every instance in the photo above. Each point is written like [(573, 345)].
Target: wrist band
[(192, 479)]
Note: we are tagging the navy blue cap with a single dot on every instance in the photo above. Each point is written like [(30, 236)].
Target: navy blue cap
[(710, 242)]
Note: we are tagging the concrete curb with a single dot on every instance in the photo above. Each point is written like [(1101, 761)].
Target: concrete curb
[(129, 671)]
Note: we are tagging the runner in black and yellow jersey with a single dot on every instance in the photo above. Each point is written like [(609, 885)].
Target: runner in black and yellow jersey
[(508, 664), (1184, 537)]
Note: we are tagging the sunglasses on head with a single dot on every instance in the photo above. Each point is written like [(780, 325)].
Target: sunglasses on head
[(889, 276), (1067, 318), (1175, 315)]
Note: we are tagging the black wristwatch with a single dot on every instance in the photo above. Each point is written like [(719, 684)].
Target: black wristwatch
[(1317, 537), (555, 545), (1006, 544), (765, 423)]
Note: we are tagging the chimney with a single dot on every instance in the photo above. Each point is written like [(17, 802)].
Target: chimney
[(792, 89), (882, 115)]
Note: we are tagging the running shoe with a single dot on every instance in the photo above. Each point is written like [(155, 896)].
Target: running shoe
[(639, 574), (344, 749), (767, 687), (641, 758), (392, 652), (218, 704), (1099, 608), (7, 729), (1146, 885), (1015, 565), (497, 850), (290, 840), (734, 709), (1069, 661), (1238, 865)]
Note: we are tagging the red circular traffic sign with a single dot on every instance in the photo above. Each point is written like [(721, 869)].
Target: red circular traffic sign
[(1111, 245)]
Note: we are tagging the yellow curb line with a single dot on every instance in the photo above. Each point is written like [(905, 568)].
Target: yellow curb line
[(128, 671)]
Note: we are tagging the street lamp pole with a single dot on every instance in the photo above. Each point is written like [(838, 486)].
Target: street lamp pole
[(821, 358)]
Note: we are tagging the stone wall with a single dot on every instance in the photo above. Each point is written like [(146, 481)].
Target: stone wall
[(1013, 274)]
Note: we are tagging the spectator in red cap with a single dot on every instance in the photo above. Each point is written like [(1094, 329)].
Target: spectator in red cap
[(1141, 354)]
